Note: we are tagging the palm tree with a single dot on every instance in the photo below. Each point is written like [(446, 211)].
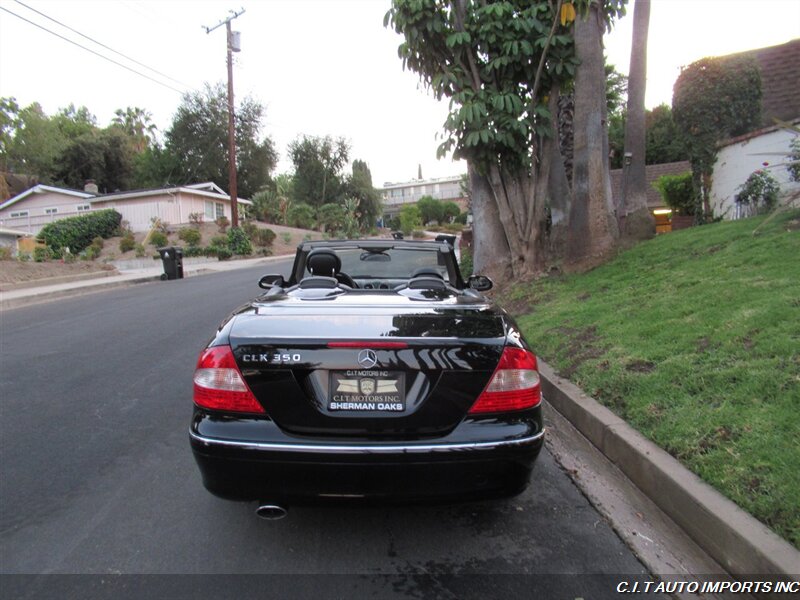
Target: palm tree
[(137, 123), (639, 223)]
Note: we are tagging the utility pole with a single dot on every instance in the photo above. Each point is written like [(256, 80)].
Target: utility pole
[(232, 46)]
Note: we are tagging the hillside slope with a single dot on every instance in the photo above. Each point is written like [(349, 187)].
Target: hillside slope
[(694, 339)]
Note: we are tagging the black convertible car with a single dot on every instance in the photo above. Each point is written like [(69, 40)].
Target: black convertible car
[(373, 372)]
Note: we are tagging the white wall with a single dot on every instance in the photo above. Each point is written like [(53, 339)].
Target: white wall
[(737, 161)]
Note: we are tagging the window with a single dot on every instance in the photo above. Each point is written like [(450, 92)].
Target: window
[(22, 213), (50, 211), (209, 210), (83, 207), (220, 210)]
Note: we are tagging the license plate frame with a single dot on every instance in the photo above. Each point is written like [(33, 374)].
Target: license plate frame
[(367, 392)]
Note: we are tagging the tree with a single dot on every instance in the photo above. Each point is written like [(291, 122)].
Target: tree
[(198, 139), (9, 122), (138, 124), (154, 167), (36, 143), (592, 225), (639, 222), (430, 209), (318, 164), (713, 99), (450, 210), (106, 156), (410, 218), (502, 65), (368, 199), (664, 140)]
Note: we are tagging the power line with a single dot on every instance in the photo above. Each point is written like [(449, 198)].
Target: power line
[(111, 60), (101, 44)]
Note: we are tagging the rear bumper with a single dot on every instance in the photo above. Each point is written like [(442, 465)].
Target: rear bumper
[(291, 471)]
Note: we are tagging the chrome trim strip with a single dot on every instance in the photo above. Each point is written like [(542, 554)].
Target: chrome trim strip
[(367, 448)]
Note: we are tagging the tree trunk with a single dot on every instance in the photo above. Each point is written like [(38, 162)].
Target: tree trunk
[(639, 222), (490, 250), (593, 227), (559, 193)]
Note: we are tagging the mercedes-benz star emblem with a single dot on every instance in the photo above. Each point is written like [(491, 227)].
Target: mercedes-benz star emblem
[(367, 359)]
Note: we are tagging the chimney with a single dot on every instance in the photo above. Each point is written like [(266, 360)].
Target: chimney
[(90, 187)]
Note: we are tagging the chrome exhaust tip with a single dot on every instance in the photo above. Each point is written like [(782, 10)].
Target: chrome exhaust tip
[(271, 512)]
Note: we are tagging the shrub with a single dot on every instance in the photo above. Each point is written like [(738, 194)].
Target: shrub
[(265, 251), (465, 264), (794, 159), (124, 227), (409, 218), (5, 253), (300, 215), (190, 235), (331, 216), (76, 233), (223, 253), (162, 226), (417, 234), (287, 237), (249, 228), (127, 243), (263, 237), (41, 253), (238, 242), (23, 257), (140, 251), (90, 253), (222, 223), (760, 191), (677, 192), (158, 239), (98, 242), (219, 241), (196, 218)]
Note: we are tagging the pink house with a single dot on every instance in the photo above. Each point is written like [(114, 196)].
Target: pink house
[(34, 208)]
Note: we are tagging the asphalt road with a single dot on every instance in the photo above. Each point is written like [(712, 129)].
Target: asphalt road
[(96, 478)]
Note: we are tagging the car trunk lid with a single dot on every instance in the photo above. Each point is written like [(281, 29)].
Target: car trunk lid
[(394, 372)]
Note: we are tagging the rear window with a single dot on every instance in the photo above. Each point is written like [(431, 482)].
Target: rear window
[(394, 263)]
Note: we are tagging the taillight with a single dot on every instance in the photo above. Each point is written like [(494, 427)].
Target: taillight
[(514, 384), (218, 383)]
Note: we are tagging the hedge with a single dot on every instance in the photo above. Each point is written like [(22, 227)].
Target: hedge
[(77, 233)]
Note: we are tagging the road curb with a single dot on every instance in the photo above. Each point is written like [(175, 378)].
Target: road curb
[(736, 540), (23, 285), (36, 298)]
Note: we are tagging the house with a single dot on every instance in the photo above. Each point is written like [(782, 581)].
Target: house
[(34, 208), (395, 195), (738, 157)]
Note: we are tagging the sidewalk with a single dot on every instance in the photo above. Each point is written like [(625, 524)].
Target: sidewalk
[(79, 284)]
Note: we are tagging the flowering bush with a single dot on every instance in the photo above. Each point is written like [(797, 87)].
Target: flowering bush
[(759, 192)]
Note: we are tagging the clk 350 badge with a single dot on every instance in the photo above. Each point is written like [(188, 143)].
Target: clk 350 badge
[(271, 358)]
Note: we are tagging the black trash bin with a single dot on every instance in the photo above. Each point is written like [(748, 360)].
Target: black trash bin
[(447, 237), (172, 257)]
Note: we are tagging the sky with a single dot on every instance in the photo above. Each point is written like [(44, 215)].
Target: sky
[(320, 67)]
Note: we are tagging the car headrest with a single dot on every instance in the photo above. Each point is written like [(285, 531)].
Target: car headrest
[(323, 262), (427, 283), (427, 272)]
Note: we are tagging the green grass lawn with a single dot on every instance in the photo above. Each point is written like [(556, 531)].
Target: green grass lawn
[(694, 339)]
